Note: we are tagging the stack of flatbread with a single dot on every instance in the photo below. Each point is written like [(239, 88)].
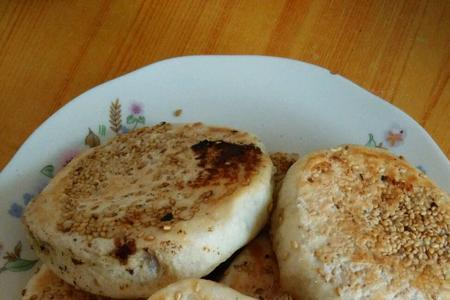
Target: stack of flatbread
[(153, 211)]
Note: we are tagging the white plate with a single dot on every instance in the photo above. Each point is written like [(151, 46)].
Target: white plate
[(292, 106)]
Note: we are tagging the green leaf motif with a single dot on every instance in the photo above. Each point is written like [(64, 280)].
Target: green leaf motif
[(102, 130), (141, 119), (48, 171), (371, 142), (135, 120), (19, 265), (130, 119)]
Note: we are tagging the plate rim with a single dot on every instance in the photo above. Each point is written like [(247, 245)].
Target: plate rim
[(73, 101)]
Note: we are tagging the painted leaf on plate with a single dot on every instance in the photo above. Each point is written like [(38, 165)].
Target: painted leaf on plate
[(14, 261), (102, 130), (18, 265), (48, 171)]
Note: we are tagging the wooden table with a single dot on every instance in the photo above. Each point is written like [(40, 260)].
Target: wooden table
[(51, 51)]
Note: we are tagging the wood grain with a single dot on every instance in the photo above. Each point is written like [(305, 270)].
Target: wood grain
[(51, 51)]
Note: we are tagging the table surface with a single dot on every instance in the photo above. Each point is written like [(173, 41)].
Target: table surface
[(51, 51)]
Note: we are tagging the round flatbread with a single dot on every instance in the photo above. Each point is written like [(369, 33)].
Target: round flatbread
[(151, 207), (360, 223), (193, 289)]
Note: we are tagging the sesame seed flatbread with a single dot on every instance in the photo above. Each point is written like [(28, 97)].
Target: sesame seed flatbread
[(360, 223), (151, 207)]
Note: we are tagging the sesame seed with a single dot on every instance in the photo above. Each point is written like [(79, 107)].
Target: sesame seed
[(149, 238)]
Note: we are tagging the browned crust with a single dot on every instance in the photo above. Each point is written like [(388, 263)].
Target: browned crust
[(221, 160), (282, 162)]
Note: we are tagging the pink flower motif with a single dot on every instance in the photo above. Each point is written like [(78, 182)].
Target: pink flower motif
[(395, 137), (136, 108), (67, 156)]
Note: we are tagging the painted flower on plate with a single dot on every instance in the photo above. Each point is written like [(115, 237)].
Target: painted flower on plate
[(17, 209), (136, 108), (67, 156), (395, 136)]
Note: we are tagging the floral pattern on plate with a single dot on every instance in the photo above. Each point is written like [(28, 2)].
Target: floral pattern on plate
[(14, 261), (394, 137)]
